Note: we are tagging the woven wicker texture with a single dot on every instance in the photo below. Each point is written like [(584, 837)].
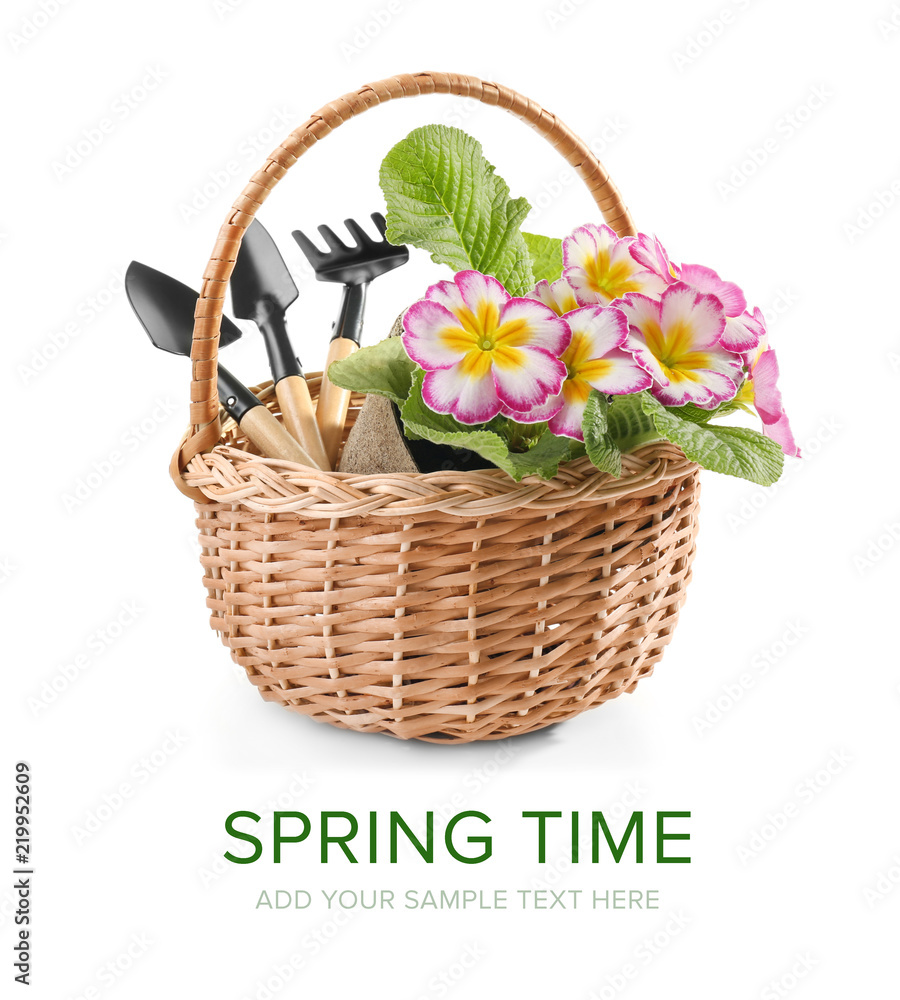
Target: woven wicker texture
[(446, 606)]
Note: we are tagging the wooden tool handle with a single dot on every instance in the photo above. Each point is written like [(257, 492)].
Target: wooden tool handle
[(300, 417), (334, 401), (271, 438)]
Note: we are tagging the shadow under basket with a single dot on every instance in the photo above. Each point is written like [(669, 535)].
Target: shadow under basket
[(443, 606), (449, 606)]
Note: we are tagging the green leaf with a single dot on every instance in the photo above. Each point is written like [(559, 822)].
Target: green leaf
[(734, 451), (444, 197), (601, 449), (542, 460), (546, 256), (383, 369), (697, 415), (421, 422), (692, 412), (628, 425)]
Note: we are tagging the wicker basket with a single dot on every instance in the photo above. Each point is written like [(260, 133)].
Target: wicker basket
[(447, 606)]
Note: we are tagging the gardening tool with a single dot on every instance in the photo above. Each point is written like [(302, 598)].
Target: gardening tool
[(261, 290), (355, 267), (165, 308)]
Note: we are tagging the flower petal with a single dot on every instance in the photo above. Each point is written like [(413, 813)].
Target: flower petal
[(525, 376), (705, 279), (743, 333), (651, 254), (766, 394), (432, 335), (781, 432), (472, 400), (537, 414), (691, 318), (616, 373), (559, 296), (525, 322), (598, 329), (705, 388), (479, 289), (567, 423)]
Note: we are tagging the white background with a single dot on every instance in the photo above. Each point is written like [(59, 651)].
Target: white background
[(675, 98)]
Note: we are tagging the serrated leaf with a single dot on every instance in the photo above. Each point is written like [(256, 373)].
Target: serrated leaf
[(444, 197), (546, 256), (600, 447), (628, 425), (734, 451), (383, 369), (541, 460)]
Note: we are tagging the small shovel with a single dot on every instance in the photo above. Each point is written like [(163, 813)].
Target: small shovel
[(165, 308), (355, 267), (261, 290)]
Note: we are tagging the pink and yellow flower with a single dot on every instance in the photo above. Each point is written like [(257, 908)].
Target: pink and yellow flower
[(558, 295), (677, 340), (601, 269), (594, 359), (482, 349), (742, 330), (760, 390), (651, 254)]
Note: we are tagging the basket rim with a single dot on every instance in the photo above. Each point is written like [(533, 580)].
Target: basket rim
[(231, 475)]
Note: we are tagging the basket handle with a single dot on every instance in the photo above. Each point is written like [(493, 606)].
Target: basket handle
[(205, 428)]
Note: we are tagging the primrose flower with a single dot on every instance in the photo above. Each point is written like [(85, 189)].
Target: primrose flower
[(601, 269), (559, 296), (651, 254), (482, 349), (760, 390), (677, 339), (594, 359), (742, 330)]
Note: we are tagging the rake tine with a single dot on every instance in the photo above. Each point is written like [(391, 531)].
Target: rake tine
[(380, 223), (331, 238), (362, 238), (312, 253)]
